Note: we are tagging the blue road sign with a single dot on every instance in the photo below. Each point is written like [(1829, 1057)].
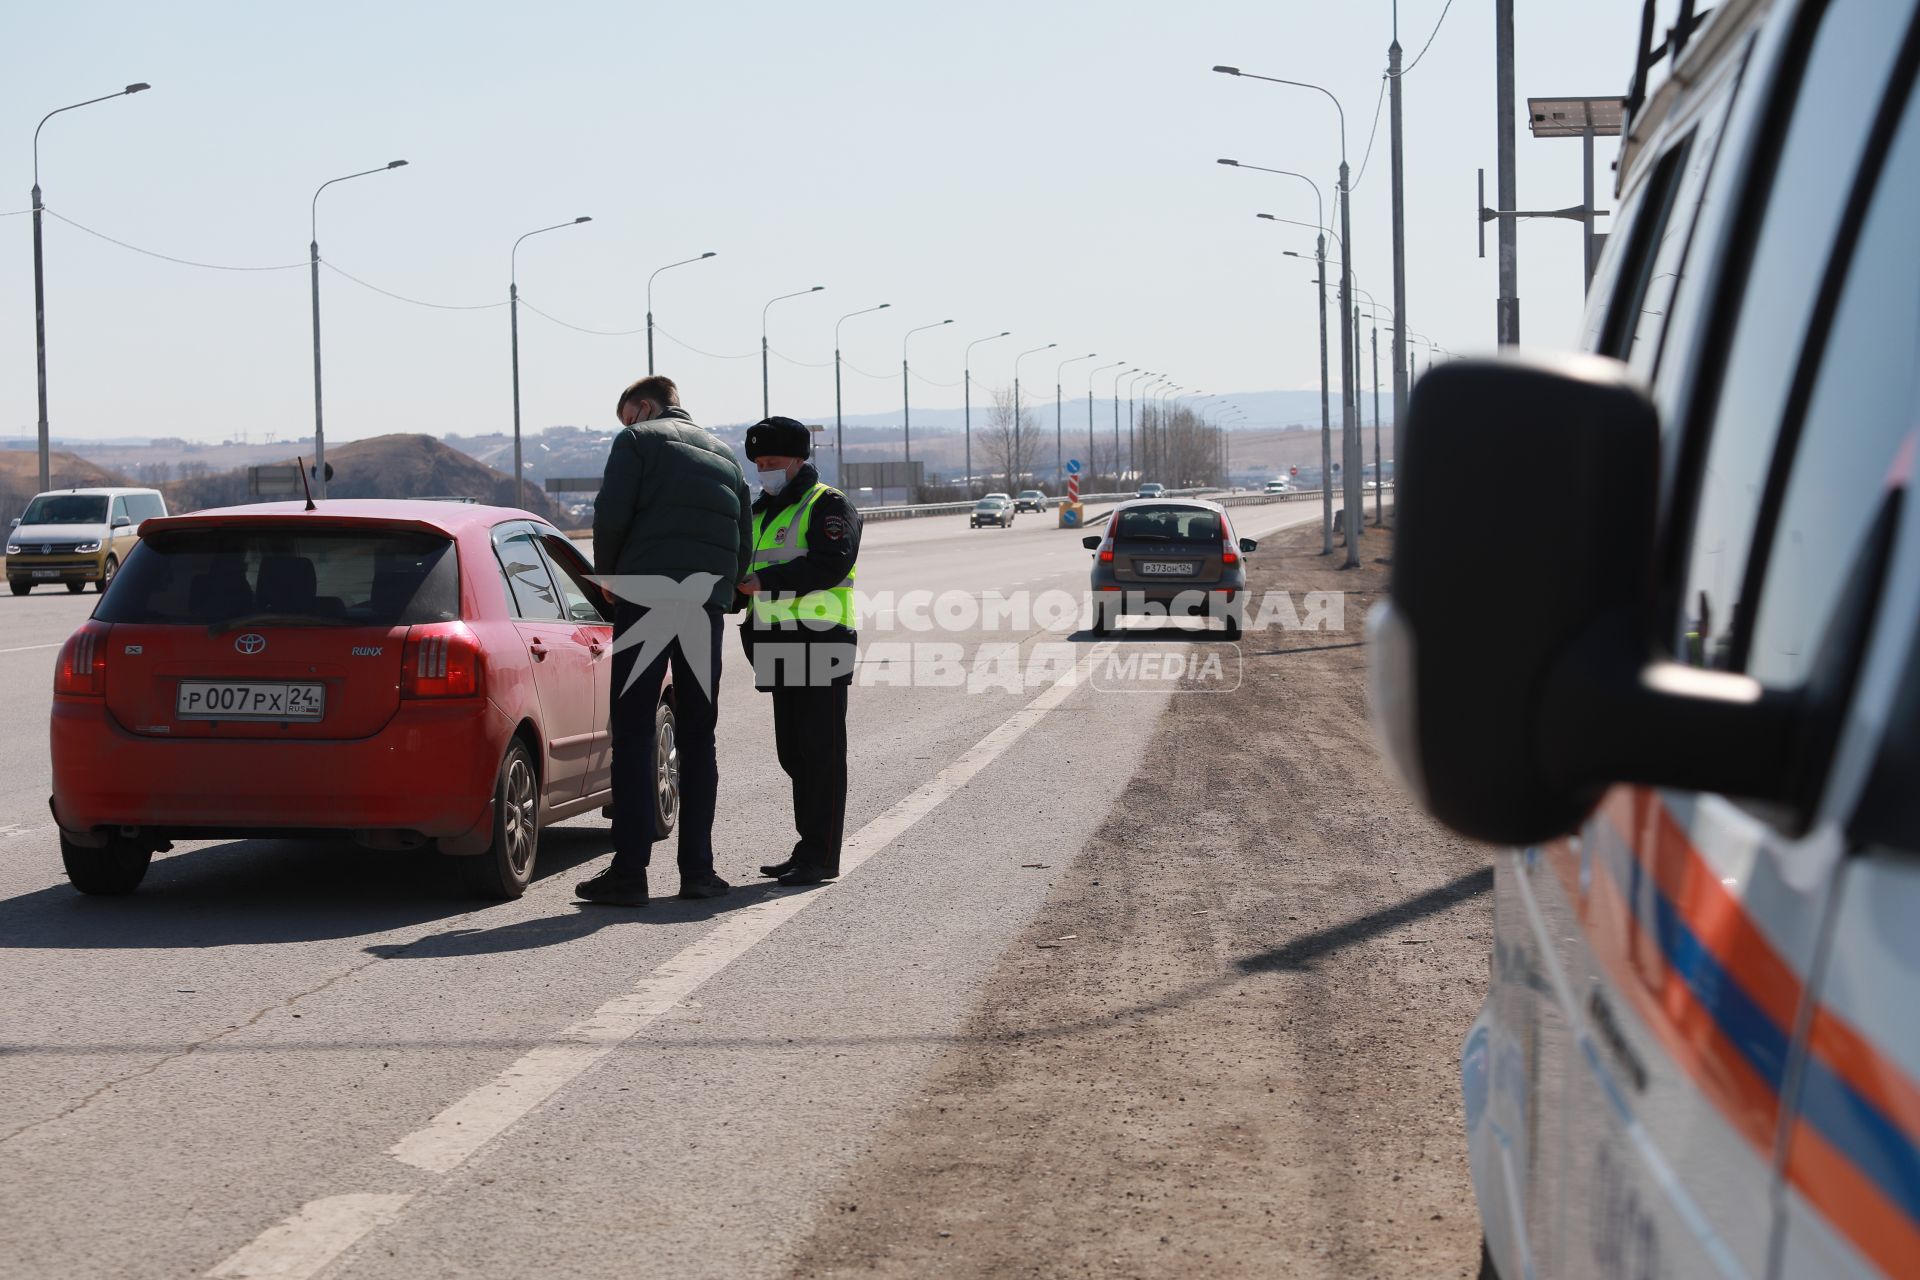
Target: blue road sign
[(1073, 466)]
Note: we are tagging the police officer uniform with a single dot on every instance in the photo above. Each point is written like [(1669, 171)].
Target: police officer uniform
[(799, 632)]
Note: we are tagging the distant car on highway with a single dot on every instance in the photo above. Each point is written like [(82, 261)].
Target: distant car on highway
[(407, 674), (1169, 555), (1279, 486), (1004, 497), (994, 510), (77, 536), (1030, 500), (1150, 490)]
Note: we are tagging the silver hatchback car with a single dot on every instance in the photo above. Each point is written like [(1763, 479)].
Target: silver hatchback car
[(1169, 557)]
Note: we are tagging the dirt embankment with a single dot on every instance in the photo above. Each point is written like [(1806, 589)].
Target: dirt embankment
[(1228, 1045)]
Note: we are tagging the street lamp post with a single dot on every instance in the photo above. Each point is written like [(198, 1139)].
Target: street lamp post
[(839, 423), (513, 314), (313, 264), (1018, 457), (1133, 386), (966, 379), (906, 399), (670, 266), (1349, 406), (39, 280), (766, 385), (1059, 447), (1091, 375)]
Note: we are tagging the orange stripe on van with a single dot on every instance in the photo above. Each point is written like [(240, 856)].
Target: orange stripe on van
[(1850, 1201)]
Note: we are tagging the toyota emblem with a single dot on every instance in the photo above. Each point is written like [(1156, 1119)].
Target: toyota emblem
[(250, 643)]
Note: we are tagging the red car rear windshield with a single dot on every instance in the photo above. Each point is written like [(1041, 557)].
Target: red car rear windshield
[(314, 577), (1168, 524)]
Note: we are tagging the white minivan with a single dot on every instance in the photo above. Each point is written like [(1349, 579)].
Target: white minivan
[(77, 536), (1687, 708)]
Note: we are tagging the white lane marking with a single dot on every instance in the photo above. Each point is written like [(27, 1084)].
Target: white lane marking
[(304, 1244), (311, 1238), (29, 648)]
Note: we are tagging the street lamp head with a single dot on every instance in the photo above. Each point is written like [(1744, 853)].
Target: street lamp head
[(396, 164), (817, 288), (582, 218), (1234, 163), (1228, 71), (883, 306), (1289, 253), (136, 88), (708, 254)]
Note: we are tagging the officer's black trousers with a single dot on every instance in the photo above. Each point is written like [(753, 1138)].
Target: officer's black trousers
[(810, 735)]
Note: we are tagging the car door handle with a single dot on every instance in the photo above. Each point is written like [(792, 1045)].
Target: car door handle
[(537, 649), (595, 648)]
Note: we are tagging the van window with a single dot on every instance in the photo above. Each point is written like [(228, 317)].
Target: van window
[(1834, 109), (66, 508), (145, 506), (217, 576), (1860, 412)]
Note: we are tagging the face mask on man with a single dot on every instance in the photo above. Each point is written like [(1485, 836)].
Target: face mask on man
[(774, 481)]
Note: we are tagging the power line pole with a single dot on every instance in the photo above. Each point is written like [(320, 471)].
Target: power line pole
[(1399, 237), (1508, 313)]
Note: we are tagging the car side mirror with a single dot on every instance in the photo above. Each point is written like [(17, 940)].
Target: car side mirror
[(1091, 542), (1509, 711), (1249, 546)]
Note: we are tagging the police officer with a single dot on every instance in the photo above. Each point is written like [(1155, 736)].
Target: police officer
[(799, 634)]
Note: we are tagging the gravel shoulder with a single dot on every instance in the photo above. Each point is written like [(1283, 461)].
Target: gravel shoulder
[(1227, 1044)]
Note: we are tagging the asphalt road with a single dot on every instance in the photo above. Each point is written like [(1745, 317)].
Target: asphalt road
[(298, 1059)]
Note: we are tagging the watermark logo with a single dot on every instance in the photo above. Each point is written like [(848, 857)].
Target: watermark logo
[(1196, 668), (675, 611)]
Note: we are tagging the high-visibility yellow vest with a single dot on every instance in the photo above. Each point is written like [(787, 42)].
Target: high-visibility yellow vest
[(783, 539)]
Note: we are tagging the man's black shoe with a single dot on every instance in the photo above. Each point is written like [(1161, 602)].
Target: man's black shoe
[(778, 868), (707, 886), (610, 890), (803, 874)]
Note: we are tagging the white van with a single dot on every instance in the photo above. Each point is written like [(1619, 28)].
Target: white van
[(1693, 724), (77, 536)]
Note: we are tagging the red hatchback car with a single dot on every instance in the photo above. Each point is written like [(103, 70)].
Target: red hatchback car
[(409, 674)]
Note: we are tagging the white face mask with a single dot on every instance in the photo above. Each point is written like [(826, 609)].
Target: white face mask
[(773, 481)]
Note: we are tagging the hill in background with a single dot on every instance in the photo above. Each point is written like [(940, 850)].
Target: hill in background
[(396, 466), (20, 478)]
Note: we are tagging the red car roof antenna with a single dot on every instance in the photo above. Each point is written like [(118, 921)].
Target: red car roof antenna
[(302, 464)]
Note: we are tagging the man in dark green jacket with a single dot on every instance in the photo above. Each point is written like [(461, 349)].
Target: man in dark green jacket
[(673, 509)]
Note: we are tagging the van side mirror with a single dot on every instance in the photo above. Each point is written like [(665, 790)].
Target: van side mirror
[(15, 524), (1091, 542), (1513, 675), (121, 522)]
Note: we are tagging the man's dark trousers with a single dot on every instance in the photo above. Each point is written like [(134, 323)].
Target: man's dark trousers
[(810, 736), (634, 779)]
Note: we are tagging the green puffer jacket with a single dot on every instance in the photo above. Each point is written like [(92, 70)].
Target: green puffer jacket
[(673, 503)]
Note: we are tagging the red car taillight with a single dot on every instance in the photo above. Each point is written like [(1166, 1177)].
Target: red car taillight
[(83, 662), (441, 661)]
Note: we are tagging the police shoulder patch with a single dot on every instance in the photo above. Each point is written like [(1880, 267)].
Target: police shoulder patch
[(834, 527)]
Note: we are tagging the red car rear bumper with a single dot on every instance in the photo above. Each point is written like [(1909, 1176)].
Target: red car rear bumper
[(430, 770)]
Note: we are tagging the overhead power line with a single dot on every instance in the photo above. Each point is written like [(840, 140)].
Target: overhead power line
[(166, 257), (418, 302), (1429, 44)]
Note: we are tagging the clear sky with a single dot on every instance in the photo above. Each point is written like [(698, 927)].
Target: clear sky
[(1041, 167)]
